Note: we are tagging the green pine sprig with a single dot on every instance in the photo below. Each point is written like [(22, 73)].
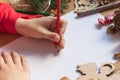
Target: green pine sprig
[(40, 4)]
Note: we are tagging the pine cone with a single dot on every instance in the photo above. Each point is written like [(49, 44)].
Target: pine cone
[(111, 30), (116, 21)]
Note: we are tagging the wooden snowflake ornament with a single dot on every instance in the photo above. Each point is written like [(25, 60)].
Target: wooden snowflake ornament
[(83, 5)]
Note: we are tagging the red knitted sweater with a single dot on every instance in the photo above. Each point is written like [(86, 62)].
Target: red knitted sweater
[(8, 17)]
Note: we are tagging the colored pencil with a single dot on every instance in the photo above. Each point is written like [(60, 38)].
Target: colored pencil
[(58, 17)]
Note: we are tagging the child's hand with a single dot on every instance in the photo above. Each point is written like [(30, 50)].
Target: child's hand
[(44, 27)]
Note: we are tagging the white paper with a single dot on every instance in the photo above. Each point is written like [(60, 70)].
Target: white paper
[(84, 44)]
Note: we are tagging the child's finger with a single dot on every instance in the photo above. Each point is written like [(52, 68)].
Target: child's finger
[(51, 35), (62, 42)]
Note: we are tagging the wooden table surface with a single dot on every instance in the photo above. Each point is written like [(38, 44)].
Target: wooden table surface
[(7, 38)]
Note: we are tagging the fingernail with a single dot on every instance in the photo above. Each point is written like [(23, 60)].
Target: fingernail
[(56, 39)]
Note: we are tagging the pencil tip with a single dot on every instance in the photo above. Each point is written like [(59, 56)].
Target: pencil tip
[(58, 48)]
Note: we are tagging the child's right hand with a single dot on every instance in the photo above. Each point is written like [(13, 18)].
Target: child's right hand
[(44, 27)]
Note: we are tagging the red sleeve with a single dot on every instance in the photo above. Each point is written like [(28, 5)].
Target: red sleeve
[(8, 17)]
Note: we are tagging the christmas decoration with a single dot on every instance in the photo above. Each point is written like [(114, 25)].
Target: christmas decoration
[(112, 29), (33, 6)]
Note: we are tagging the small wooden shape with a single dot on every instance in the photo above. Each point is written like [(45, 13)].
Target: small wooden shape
[(64, 78), (107, 68), (117, 55), (85, 70)]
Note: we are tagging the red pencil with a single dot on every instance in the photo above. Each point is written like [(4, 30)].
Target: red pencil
[(58, 17), (58, 23)]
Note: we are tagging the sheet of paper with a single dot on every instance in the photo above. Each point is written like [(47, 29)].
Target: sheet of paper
[(84, 44)]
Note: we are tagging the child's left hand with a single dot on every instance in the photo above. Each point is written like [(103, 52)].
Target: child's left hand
[(44, 27)]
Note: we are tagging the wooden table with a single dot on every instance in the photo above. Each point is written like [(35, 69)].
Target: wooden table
[(7, 38)]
